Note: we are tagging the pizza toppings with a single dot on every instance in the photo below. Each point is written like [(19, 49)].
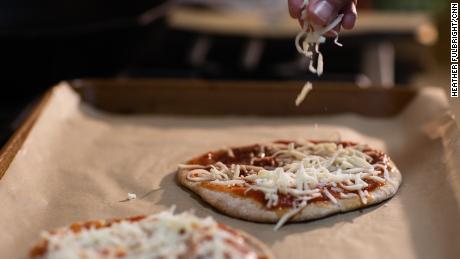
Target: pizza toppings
[(131, 196), (163, 235), (304, 173)]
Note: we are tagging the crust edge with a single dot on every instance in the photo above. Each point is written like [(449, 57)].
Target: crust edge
[(41, 245)]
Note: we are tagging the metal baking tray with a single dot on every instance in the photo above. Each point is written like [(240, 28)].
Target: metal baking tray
[(419, 222)]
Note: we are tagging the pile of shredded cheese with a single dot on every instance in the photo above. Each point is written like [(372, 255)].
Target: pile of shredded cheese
[(305, 172), (163, 235)]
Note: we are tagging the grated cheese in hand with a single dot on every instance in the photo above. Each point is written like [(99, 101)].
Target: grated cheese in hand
[(308, 40), (307, 43)]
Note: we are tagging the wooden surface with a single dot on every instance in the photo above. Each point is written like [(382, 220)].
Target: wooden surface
[(10, 149), (196, 97), (282, 26), (241, 98)]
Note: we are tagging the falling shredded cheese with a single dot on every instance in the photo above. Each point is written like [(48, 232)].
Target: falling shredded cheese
[(306, 171), (308, 40), (163, 235), (303, 93), (307, 43)]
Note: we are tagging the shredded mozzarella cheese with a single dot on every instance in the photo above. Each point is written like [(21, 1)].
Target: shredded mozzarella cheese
[(163, 235), (311, 36), (329, 196), (131, 196), (308, 171), (289, 215), (303, 93)]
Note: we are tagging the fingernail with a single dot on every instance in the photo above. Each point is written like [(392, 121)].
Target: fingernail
[(323, 10)]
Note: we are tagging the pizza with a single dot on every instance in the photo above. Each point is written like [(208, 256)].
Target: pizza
[(163, 235), (287, 181)]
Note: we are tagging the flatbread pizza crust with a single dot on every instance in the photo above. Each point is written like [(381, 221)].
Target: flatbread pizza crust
[(261, 249), (252, 210), (39, 250)]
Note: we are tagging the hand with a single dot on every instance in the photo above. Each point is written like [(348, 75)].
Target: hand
[(323, 12)]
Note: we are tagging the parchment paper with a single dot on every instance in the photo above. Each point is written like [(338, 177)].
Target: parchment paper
[(78, 163)]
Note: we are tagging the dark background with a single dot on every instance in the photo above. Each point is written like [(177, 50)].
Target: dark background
[(44, 42)]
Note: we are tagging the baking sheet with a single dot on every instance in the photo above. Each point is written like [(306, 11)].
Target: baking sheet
[(79, 163)]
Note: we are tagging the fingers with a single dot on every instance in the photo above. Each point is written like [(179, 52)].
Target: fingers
[(350, 16), (323, 12), (295, 8)]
